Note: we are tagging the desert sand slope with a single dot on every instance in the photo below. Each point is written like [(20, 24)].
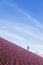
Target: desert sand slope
[(38, 53), (11, 54)]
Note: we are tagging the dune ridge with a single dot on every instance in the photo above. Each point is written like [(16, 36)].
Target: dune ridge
[(11, 54)]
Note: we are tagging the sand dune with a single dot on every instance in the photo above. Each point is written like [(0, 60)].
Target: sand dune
[(11, 54), (38, 53)]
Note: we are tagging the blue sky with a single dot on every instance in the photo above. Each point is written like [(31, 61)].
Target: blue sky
[(21, 22)]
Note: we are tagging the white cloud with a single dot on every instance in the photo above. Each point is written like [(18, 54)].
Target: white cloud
[(23, 28), (35, 21), (29, 32), (7, 33), (37, 35), (30, 18)]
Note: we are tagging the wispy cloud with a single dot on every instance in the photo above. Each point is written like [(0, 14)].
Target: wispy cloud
[(29, 31), (16, 38), (35, 21), (23, 28), (7, 33)]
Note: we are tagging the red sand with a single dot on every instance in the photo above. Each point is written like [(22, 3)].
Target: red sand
[(11, 54)]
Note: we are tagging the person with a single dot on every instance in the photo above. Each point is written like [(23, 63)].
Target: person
[(27, 47)]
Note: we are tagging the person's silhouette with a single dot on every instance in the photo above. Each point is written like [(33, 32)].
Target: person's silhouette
[(27, 47)]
